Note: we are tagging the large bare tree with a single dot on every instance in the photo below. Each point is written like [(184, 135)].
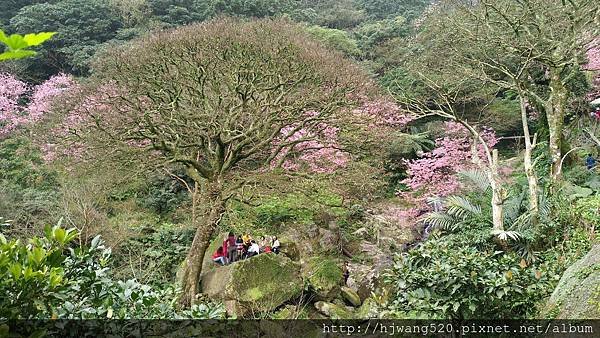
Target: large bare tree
[(218, 99)]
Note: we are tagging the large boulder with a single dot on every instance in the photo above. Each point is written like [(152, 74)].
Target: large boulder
[(351, 296), (368, 309), (258, 284), (577, 295), (324, 276)]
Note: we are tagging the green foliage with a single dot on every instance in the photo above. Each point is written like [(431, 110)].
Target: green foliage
[(18, 46), (252, 8), (81, 27), (177, 13), (381, 9), (336, 39), (163, 194), (27, 186), (588, 210), (370, 34), (156, 253), (338, 14), (48, 278), (441, 280)]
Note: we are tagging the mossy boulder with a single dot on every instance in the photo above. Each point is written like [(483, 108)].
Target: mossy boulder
[(324, 277), (258, 284), (291, 312), (577, 295), (351, 296), (368, 309), (333, 311)]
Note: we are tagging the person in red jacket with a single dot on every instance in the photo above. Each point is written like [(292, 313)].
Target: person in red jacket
[(219, 257)]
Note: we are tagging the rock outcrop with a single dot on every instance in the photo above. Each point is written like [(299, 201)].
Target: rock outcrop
[(351, 296), (577, 295), (258, 284), (324, 277)]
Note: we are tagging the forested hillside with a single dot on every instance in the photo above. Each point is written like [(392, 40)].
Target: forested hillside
[(299, 159)]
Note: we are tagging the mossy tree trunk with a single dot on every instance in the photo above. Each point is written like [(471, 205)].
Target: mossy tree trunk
[(190, 277)]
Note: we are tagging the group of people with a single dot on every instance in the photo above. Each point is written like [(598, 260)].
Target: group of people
[(239, 247)]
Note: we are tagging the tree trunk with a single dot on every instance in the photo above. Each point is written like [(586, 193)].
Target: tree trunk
[(498, 193), (555, 113), (528, 164), (190, 277)]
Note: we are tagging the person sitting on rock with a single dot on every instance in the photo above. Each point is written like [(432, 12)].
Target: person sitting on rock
[(254, 249), (239, 245), (262, 242), (219, 257), (231, 248), (246, 238), (276, 245)]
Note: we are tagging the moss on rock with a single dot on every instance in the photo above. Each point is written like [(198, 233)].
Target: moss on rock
[(351, 296), (324, 277), (333, 311), (577, 295), (257, 284)]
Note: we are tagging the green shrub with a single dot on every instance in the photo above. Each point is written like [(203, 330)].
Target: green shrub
[(440, 280), (47, 278), (157, 254)]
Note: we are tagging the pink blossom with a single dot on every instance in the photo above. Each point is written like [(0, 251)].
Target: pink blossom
[(315, 150), (434, 174), (21, 104)]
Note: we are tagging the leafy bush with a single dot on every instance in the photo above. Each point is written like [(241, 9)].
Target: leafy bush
[(46, 278), (441, 280), (156, 255), (27, 187)]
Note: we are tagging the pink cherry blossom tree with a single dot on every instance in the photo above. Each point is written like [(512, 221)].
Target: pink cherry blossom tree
[(434, 173), (22, 104)]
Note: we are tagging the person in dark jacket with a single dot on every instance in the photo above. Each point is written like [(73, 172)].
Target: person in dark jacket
[(231, 248), (590, 162), (346, 273)]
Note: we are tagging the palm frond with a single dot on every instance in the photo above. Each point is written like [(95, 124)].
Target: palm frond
[(513, 207), (477, 178), (440, 220), (506, 234), (461, 207)]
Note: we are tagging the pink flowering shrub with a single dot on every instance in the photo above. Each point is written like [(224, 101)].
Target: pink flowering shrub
[(21, 104), (434, 174)]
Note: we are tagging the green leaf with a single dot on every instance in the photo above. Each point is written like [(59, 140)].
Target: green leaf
[(37, 39), (59, 235), (15, 42), (15, 270), (38, 254), (16, 54)]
